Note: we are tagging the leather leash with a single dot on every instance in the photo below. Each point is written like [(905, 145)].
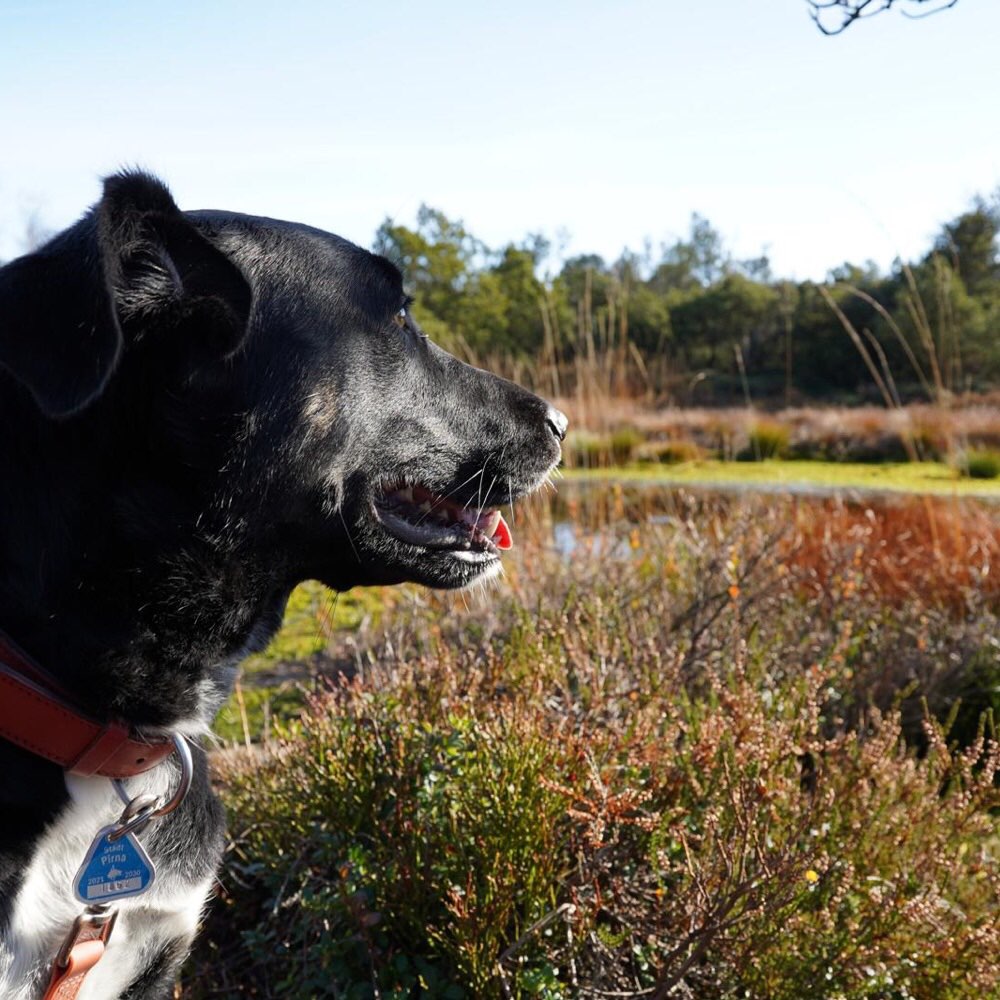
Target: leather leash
[(81, 951)]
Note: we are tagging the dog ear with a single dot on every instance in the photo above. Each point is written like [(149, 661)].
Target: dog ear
[(65, 310), (58, 334), (162, 273)]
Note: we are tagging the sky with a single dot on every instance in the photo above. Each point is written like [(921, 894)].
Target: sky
[(600, 125)]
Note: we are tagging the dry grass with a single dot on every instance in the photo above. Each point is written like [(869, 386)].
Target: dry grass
[(866, 433)]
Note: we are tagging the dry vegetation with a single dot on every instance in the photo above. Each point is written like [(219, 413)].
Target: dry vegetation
[(606, 432), (701, 748)]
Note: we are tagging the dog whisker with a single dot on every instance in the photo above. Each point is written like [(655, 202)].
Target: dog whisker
[(496, 475), (446, 496), (480, 473), (347, 531)]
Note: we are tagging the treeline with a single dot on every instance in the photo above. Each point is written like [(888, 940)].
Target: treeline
[(692, 324)]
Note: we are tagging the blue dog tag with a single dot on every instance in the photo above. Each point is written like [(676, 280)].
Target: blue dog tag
[(113, 869)]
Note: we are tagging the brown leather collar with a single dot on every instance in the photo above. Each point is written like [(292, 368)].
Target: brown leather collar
[(37, 715)]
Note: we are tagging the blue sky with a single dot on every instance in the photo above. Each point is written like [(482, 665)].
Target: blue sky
[(601, 124)]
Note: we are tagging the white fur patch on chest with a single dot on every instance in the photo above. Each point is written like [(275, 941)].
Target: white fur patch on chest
[(45, 906)]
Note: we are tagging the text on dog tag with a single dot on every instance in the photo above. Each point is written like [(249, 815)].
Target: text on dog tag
[(113, 869)]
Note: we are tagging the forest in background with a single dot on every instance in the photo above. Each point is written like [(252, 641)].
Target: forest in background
[(688, 323)]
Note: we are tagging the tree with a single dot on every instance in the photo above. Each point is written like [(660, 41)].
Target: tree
[(941, 323), (700, 260), (834, 16), (735, 312), (695, 308), (523, 294), (439, 259), (824, 359), (970, 242)]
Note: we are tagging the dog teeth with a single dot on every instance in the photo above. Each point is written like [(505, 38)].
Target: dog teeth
[(468, 527), (488, 523)]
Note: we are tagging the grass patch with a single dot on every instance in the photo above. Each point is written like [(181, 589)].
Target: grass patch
[(907, 477), (587, 450), (669, 452), (313, 615), (249, 712)]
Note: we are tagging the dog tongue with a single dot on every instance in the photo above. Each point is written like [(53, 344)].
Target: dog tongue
[(494, 527), (501, 535)]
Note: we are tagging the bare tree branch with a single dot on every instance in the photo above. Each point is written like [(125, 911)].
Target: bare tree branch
[(850, 11), (927, 13)]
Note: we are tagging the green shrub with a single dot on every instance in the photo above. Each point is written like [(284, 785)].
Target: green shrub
[(983, 464), (672, 452), (379, 846), (582, 449), (973, 696), (585, 450), (623, 443), (767, 439)]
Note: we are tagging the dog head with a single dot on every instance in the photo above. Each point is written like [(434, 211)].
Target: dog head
[(397, 453), (204, 409)]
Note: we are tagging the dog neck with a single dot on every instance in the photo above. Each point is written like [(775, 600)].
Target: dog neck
[(96, 584)]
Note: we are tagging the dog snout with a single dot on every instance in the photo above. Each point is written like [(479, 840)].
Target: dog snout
[(557, 422)]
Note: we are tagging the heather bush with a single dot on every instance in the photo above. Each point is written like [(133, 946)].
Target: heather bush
[(718, 750)]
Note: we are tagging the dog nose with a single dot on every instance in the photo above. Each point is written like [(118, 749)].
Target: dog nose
[(557, 422)]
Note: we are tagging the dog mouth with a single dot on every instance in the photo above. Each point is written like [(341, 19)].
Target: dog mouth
[(421, 517)]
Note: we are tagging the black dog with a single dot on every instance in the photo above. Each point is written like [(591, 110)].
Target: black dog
[(198, 411)]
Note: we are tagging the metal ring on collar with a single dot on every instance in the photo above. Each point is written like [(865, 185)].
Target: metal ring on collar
[(142, 807), (134, 823)]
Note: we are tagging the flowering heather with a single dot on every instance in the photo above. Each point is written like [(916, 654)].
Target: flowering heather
[(699, 748)]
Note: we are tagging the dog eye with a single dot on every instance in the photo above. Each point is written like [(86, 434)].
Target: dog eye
[(400, 318)]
